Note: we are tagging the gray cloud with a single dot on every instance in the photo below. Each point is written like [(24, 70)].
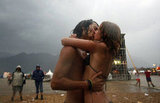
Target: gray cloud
[(38, 25)]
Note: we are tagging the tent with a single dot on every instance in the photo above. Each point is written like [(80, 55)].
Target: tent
[(49, 73), (48, 76)]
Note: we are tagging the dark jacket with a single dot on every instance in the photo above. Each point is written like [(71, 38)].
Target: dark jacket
[(38, 75)]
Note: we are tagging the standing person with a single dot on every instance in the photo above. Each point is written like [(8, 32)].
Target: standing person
[(69, 69), (102, 51), (38, 76), (137, 78), (148, 78), (17, 82)]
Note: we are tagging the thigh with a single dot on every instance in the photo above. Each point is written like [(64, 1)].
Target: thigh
[(99, 97)]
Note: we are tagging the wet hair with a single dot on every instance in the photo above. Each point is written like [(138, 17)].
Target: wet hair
[(110, 33), (82, 27)]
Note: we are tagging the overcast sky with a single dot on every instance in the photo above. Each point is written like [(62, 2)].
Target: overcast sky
[(34, 26)]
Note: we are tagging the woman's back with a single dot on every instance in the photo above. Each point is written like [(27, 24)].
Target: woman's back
[(100, 60)]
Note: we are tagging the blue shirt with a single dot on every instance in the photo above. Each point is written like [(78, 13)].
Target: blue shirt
[(38, 75)]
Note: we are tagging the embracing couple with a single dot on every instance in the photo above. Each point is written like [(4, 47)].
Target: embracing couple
[(85, 61)]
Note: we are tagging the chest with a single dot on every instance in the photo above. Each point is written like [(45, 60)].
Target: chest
[(18, 75)]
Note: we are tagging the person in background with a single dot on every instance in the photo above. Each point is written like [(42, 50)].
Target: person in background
[(137, 78), (148, 78), (38, 76), (17, 81)]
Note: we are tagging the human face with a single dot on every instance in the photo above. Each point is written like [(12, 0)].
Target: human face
[(93, 28), (38, 68), (18, 69), (97, 35)]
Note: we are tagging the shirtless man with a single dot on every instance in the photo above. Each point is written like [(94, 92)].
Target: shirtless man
[(69, 70)]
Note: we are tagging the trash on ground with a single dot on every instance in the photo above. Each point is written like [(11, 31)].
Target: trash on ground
[(62, 94), (125, 98), (113, 95), (146, 94)]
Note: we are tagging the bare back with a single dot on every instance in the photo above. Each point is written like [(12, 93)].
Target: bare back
[(100, 60)]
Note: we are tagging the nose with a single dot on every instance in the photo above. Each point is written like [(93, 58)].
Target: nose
[(96, 31)]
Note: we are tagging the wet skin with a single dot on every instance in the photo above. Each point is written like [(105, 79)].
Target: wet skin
[(69, 71)]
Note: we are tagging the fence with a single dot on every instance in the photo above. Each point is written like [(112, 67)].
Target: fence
[(114, 77)]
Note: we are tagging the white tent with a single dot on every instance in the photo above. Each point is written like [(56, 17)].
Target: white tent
[(48, 76), (49, 73)]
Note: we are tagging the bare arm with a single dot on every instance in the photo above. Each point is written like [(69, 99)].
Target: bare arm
[(60, 81), (86, 45)]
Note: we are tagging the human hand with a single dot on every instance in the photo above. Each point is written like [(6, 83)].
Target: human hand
[(97, 83), (83, 54), (73, 36)]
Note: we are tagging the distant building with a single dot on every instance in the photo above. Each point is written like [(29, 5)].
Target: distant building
[(119, 67)]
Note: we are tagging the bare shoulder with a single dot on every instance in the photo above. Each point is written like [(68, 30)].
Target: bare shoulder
[(66, 57), (101, 45), (68, 50)]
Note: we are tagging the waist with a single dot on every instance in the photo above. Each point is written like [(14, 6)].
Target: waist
[(74, 96)]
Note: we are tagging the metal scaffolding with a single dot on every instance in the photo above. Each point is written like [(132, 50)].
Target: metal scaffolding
[(119, 66)]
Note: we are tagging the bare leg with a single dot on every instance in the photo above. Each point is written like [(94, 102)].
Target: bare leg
[(148, 84), (136, 83), (152, 84)]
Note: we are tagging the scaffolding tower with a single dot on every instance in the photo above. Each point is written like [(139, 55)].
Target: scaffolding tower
[(119, 66)]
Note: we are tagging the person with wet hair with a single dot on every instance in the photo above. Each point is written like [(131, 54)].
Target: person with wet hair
[(69, 69), (102, 51)]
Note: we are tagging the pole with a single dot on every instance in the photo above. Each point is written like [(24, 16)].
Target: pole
[(131, 59)]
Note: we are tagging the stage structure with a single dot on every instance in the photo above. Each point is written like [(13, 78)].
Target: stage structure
[(119, 66)]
